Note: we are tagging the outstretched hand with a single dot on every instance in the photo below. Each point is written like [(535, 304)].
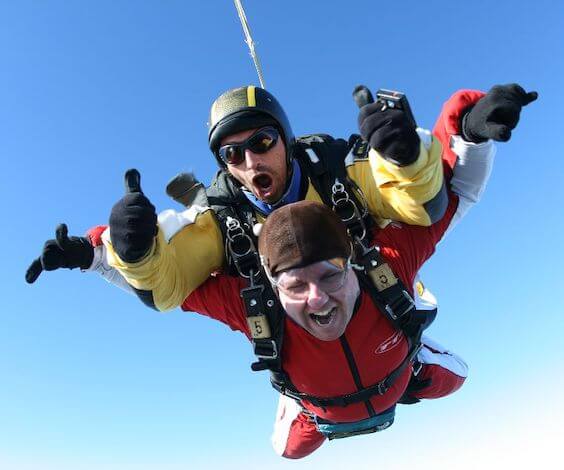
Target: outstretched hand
[(61, 252), (496, 114), (389, 131), (133, 221)]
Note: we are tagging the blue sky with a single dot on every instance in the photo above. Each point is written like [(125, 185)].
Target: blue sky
[(91, 379)]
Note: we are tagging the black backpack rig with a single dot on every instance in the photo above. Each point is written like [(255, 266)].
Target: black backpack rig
[(323, 161)]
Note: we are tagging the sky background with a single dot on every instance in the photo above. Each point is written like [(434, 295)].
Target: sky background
[(90, 379)]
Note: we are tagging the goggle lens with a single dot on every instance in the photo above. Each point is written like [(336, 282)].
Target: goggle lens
[(260, 142)]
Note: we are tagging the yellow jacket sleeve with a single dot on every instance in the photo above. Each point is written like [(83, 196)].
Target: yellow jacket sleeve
[(187, 249), (412, 194)]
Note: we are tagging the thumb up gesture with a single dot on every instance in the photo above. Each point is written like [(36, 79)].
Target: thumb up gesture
[(133, 221)]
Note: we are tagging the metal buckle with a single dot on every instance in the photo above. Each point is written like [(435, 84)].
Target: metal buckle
[(235, 232), (274, 350), (411, 305), (337, 188), (382, 388), (341, 201), (242, 249)]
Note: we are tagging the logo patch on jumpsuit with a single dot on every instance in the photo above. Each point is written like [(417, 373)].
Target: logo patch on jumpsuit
[(389, 343)]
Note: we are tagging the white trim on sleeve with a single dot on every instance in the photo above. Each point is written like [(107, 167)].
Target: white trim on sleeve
[(288, 410), (171, 221), (470, 174), (434, 353)]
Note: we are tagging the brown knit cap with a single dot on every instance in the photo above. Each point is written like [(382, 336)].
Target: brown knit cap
[(300, 234)]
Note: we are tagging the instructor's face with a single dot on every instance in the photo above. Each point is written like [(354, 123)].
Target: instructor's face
[(263, 174), (318, 300)]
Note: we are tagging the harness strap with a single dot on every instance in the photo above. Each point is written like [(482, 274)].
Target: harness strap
[(325, 160), (365, 394), (261, 307), (375, 423)]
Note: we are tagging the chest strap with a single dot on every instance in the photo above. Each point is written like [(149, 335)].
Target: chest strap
[(379, 388)]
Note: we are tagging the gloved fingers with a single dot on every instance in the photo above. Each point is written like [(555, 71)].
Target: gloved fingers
[(371, 119), (34, 270), (507, 114), (530, 97), (132, 181), (516, 93), (137, 206), (523, 98), (133, 221), (62, 236), (499, 132), (369, 110), (52, 257), (362, 96)]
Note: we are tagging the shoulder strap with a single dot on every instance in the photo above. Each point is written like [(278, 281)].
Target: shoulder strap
[(265, 316), (228, 202), (236, 219), (325, 159)]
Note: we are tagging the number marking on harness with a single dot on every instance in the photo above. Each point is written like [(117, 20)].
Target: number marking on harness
[(259, 327), (383, 277)]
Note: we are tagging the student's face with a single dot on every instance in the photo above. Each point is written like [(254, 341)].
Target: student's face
[(320, 297)]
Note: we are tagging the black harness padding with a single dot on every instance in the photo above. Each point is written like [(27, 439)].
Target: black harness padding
[(328, 165)]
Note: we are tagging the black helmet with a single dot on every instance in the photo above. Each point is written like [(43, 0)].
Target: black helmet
[(245, 108)]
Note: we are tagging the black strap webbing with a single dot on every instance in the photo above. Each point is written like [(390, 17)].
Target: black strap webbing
[(365, 394)]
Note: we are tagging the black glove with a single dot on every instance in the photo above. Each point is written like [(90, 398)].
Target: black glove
[(62, 252), (133, 221), (496, 114), (389, 131)]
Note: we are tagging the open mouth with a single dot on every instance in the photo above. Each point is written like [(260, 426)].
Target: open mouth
[(323, 318), (263, 182)]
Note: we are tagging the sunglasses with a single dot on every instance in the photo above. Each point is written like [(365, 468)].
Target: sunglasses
[(260, 142)]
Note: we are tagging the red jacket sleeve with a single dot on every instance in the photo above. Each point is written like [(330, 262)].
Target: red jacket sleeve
[(407, 247), (94, 235), (219, 298), (448, 123)]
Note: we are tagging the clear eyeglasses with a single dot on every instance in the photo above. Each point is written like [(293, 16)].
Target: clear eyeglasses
[(299, 288)]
